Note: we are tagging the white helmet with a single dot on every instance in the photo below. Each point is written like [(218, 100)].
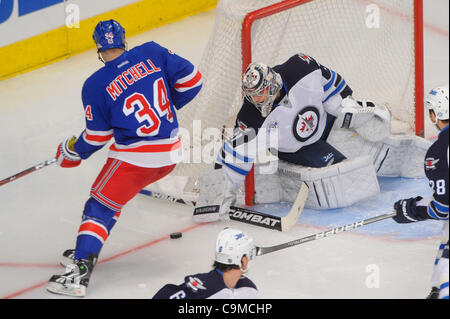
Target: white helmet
[(232, 245), (437, 101), (259, 79)]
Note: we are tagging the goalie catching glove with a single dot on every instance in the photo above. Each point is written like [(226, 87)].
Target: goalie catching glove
[(66, 156), (372, 122)]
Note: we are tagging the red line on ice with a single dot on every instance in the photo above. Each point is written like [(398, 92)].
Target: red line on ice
[(129, 251)]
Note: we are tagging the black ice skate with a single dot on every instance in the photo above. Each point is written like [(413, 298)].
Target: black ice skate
[(434, 293), (75, 279), (68, 256)]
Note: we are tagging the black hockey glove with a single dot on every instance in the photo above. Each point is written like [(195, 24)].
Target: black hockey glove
[(407, 210)]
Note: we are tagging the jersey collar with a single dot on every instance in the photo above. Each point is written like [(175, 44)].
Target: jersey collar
[(445, 128), (121, 58)]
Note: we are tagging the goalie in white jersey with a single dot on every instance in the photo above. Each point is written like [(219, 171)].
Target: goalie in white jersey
[(301, 100)]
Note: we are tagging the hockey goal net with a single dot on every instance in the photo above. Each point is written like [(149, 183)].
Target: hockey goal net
[(376, 45)]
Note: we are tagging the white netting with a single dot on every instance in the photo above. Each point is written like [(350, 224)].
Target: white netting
[(377, 61)]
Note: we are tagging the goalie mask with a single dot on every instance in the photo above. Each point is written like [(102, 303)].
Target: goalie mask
[(260, 85), (437, 101), (232, 245)]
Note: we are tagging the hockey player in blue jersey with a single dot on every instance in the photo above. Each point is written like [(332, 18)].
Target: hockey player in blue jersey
[(134, 99), (436, 164), (233, 253)]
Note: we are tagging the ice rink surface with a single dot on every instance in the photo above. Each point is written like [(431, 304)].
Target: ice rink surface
[(40, 213)]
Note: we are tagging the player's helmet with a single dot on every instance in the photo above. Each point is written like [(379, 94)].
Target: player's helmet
[(437, 101), (231, 245), (108, 35), (258, 80)]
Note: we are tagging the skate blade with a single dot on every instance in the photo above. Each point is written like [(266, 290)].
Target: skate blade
[(69, 290)]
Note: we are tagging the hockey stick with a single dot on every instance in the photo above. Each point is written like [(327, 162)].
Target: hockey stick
[(266, 250), (28, 171), (167, 197), (252, 217)]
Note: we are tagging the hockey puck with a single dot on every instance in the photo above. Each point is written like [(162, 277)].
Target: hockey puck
[(176, 235)]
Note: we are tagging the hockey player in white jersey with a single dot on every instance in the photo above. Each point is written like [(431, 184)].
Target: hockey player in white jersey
[(436, 165), (301, 101), (233, 253)]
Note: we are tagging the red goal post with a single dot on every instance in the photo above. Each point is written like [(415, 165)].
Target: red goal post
[(265, 12)]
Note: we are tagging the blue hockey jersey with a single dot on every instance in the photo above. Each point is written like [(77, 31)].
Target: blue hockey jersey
[(436, 170), (208, 286), (134, 99)]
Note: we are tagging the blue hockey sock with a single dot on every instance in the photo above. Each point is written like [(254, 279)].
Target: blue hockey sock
[(94, 229)]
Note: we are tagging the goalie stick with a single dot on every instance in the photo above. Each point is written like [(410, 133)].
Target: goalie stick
[(27, 171), (266, 250), (252, 217)]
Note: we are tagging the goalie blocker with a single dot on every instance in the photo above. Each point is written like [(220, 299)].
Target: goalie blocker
[(208, 206)]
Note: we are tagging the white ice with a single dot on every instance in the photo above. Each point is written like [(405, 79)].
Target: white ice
[(40, 213)]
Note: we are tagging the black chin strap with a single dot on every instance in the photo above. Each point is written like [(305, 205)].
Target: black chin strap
[(100, 57), (125, 47)]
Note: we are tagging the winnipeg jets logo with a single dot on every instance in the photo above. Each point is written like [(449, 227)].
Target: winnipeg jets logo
[(195, 284), (305, 58), (306, 123), (430, 163), (252, 80), (109, 37)]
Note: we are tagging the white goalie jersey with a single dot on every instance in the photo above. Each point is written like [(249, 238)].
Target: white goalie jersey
[(310, 98)]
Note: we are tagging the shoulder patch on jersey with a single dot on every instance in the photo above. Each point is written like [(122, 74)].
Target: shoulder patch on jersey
[(306, 123), (195, 284), (241, 125), (430, 163), (305, 58), (249, 116)]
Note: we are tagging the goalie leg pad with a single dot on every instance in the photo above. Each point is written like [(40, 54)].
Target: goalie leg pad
[(267, 184), (398, 155), (404, 156), (335, 186)]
